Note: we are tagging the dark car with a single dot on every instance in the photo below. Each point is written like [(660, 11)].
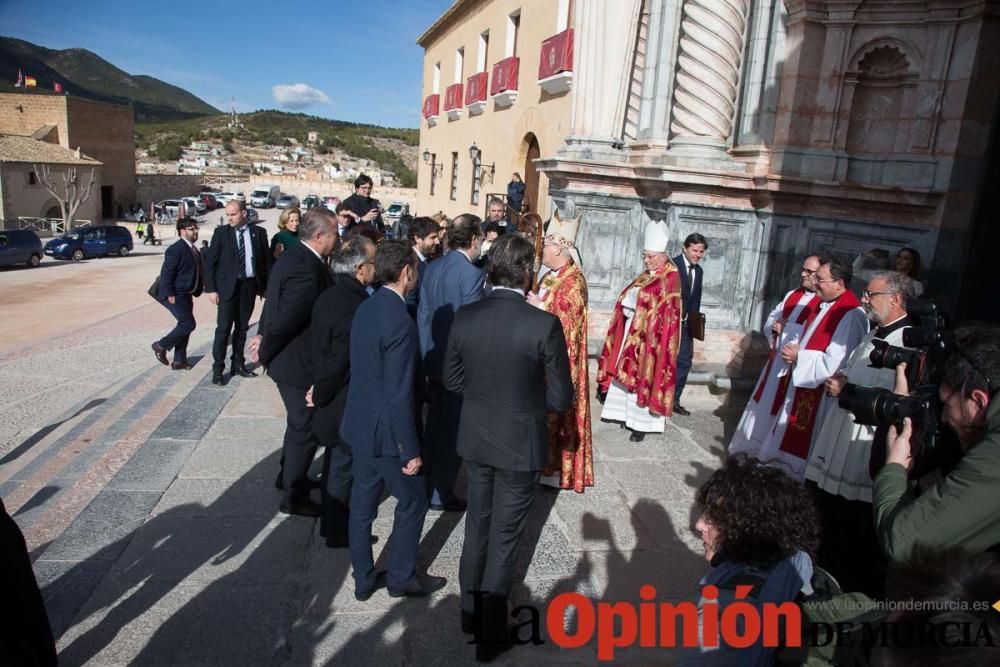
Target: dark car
[(210, 201), (20, 246), (287, 201), (309, 202), (84, 242)]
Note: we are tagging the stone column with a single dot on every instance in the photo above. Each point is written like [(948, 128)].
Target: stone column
[(708, 76), (604, 40)]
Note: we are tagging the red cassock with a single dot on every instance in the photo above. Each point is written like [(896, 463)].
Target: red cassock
[(644, 359)]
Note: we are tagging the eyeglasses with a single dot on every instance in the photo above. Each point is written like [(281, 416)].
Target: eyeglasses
[(809, 272), (869, 295)]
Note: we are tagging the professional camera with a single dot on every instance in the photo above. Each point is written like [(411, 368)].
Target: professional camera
[(931, 445)]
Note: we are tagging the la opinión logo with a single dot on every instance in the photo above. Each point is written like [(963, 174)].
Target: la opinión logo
[(739, 624)]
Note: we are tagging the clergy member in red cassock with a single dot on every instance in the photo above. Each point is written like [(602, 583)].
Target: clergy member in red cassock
[(638, 365), (563, 292), (784, 325), (831, 334)]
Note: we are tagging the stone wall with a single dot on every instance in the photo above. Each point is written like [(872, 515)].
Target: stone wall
[(20, 198), (106, 132), (157, 187)]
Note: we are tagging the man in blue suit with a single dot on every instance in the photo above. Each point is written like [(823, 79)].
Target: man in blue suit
[(688, 263), (379, 425), (448, 284), (181, 279)]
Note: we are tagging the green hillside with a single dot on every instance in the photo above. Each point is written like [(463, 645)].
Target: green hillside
[(275, 127), (86, 74)]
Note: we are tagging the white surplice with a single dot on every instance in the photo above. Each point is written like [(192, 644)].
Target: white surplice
[(838, 456), (812, 369), (757, 422)]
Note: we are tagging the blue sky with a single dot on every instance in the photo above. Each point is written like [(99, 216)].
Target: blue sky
[(357, 60)]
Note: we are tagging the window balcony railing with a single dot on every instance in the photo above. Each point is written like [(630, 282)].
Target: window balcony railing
[(503, 87), (453, 101), (432, 108), (555, 67), (475, 93)]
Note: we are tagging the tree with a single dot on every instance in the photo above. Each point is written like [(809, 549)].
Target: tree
[(70, 196)]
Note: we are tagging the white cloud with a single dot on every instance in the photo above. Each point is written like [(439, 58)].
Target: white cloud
[(299, 96)]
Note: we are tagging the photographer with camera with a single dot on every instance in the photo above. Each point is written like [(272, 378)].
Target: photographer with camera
[(963, 508), (838, 470)]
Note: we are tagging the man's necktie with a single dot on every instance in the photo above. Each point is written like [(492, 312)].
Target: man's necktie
[(241, 251), (197, 269)]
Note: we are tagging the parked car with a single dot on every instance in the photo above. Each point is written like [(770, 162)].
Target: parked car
[(225, 197), (396, 210), (210, 201), (265, 196), (309, 202), (20, 246), (252, 216), (84, 242), (330, 201), (194, 205), (287, 201), (168, 207)]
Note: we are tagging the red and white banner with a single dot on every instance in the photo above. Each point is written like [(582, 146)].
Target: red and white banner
[(475, 88), (505, 75), (557, 55), (453, 97), (432, 105)]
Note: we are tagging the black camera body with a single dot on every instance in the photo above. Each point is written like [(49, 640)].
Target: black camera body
[(873, 406)]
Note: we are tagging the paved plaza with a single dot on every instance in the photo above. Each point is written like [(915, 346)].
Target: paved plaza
[(151, 517)]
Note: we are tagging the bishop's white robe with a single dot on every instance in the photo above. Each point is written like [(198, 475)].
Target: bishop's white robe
[(812, 369), (757, 422)]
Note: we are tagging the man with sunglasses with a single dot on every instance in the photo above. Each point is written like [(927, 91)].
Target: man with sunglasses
[(831, 333), (783, 325), (963, 508), (838, 467)]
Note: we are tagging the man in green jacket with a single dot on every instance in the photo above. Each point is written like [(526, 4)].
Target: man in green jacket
[(963, 508)]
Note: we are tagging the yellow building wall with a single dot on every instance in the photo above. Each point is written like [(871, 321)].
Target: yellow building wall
[(501, 133)]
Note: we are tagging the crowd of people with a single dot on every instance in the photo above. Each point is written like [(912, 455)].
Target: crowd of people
[(464, 346)]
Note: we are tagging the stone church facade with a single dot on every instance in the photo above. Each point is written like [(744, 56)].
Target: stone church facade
[(776, 129)]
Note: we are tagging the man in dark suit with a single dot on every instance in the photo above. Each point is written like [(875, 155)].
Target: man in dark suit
[(688, 264), (379, 425), (332, 317), (424, 236), (181, 279), (367, 210), (236, 268), (508, 361), (284, 348), (449, 283)]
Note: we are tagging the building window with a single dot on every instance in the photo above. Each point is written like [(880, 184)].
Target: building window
[(484, 48), (434, 165), (564, 15), (513, 27), (437, 78), (459, 65), (477, 179), (454, 176)]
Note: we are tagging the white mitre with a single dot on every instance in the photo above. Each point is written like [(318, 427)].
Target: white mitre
[(656, 236)]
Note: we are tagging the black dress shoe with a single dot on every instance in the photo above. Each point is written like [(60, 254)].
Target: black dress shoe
[(218, 379), (682, 411), (637, 436), (161, 354), (181, 366), (362, 596), (420, 587), (307, 509), (453, 505), (242, 372)]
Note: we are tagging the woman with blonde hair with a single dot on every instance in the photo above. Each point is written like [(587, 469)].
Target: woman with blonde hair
[(288, 231)]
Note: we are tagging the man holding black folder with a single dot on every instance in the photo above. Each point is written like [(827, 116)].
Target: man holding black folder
[(693, 323)]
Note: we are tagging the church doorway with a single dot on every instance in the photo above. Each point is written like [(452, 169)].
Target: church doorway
[(531, 174)]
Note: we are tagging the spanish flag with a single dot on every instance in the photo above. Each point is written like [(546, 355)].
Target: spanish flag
[(30, 82)]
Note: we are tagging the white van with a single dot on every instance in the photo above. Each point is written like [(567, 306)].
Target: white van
[(265, 196)]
